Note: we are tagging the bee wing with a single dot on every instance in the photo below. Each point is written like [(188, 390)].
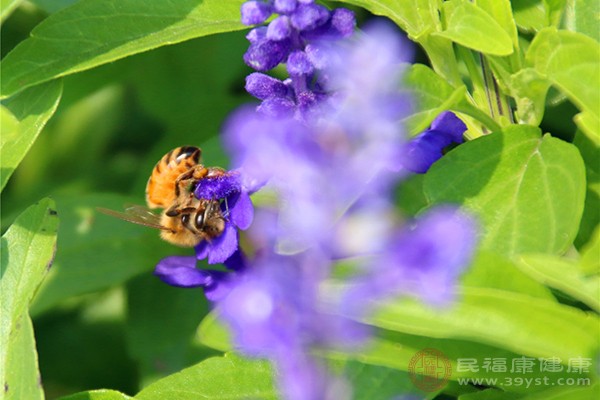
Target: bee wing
[(137, 214)]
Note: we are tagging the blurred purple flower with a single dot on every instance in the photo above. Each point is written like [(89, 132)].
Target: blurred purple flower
[(427, 147), (424, 260), (328, 143), (274, 312)]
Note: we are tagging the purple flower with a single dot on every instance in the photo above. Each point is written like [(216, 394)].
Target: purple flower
[(236, 206), (284, 40), (181, 271), (424, 260), (273, 312), (426, 148)]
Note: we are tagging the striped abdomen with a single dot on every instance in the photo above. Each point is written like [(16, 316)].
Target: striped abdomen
[(160, 190)]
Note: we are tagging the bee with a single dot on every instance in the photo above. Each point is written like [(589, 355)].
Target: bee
[(185, 220)]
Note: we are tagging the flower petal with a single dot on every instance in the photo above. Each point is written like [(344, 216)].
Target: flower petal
[(450, 124), (241, 210), (221, 248), (181, 271)]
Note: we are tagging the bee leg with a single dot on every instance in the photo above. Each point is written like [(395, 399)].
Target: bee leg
[(195, 173), (173, 211)]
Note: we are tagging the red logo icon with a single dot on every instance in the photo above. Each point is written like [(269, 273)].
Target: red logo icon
[(429, 370)]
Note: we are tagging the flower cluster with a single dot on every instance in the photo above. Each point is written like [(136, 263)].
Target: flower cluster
[(298, 37), (333, 178)]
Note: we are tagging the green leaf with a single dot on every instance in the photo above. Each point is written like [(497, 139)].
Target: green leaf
[(7, 7), (161, 322), (490, 270), (564, 57), (590, 255), (529, 90), (566, 393), (101, 394), (489, 394), (229, 377), (590, 152), (27, 253), (415, 17), (431, 95), (213, 333), (564, 275), (371, 382), (513, 321), (582, 16), (22, 379), (528, 191), (530, 15), (501, 12), (97, 251), (91, 33), (419, 18), (472, 27), (31, 109)]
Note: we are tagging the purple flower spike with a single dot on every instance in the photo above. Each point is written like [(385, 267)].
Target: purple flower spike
[(309, 16), (263, 86), (277, 107), (285, 6), (426, 148), (343, 21), (265, 55), (279, 28), (218, 186), (299, 64), (255, 12)]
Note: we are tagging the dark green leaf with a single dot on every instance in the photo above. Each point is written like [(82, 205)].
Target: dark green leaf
[(472, 27), (576, 392), (229, 377), (590, 152), (527, 190), (27, 253), (97, 251), (101, 394), (91, 33), (162, 321), (7, 7), (32, 109), (371, 382)]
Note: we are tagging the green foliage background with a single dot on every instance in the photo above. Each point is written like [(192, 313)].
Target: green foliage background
[(95, 92)]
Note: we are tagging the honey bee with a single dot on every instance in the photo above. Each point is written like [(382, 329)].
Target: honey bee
[(185, 220)]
